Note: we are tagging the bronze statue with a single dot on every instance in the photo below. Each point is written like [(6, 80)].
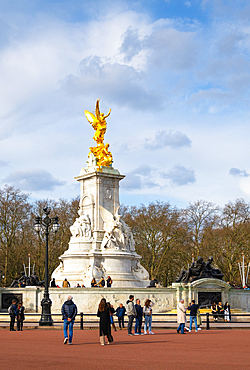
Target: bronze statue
[(199, 270)]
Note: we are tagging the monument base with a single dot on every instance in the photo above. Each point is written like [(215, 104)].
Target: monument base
[(165, 299)]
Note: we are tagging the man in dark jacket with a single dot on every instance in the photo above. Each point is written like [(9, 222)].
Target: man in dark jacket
[(13, 314), (193, 311), (69, 312), (120, 312), (138, 321)]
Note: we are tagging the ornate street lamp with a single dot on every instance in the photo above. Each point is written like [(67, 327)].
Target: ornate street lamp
[(48, 223)]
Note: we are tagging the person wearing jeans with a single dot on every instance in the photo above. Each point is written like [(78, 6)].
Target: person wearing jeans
[(131, 312), (181, 316), (69, 312), (147, 312), (138, 320), (193, 312)]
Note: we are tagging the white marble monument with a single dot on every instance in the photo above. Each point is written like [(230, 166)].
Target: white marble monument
[(101, 243)]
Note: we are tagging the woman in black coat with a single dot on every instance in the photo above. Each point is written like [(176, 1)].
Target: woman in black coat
[(104, 326)]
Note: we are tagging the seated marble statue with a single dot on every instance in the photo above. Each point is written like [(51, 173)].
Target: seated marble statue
[(193, 272)]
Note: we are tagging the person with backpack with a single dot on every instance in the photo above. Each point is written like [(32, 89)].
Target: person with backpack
[(13, 314)]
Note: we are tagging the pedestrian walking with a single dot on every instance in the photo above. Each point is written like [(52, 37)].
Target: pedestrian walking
[(193, 311), (20, 316), (131, 312), (147, 312), (104, 325), (120, 313), (13, 314), (181, 316), (138, 320), (69, 312)]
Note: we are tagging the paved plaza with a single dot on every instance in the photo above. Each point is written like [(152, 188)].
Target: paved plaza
[(44, 349)]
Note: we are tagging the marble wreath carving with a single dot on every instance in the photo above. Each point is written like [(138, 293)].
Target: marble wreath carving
[(199, 270), (117, 233)]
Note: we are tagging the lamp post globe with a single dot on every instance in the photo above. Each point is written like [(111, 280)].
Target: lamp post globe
[(47, 223)]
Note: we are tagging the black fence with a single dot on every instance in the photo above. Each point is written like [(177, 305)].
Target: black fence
[(85, 319)]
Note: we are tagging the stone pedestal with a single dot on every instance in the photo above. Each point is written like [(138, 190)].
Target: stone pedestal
[(101, 243)]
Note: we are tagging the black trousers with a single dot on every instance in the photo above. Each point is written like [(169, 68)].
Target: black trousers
[(19, 325), (121, 321), (12, 322), (130, 323)]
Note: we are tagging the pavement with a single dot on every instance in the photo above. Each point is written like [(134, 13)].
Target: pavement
[(44, 349)]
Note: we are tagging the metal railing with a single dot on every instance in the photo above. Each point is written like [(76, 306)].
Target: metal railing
[(166, 318)]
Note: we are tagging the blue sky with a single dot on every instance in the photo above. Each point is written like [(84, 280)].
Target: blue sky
[(176, 75)]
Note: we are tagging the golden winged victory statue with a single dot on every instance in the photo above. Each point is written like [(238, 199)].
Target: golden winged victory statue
[(101, 152)]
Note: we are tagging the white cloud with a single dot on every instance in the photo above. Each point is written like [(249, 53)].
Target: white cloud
[(170, 138), (120, 83), (179, 175), (33, 180), (236, 172)]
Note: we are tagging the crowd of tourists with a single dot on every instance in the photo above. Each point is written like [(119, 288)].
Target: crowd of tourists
[(106, 313), (135, 313)]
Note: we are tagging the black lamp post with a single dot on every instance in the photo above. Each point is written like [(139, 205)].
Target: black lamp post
[(47, 223)]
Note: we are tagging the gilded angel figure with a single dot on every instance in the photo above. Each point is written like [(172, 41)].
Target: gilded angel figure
[(98, 122)]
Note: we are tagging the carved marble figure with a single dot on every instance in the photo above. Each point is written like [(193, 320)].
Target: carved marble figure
[(81, 226), (117, 233)]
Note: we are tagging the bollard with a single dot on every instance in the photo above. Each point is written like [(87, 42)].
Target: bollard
[(81, 322), (207, 328)]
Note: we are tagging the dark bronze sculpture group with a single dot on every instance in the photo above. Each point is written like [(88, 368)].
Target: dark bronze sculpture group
[(24, 281), (199, 270)]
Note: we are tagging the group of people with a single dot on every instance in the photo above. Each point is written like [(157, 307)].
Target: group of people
[(221, 312), (101, 282), (182, 317), (16, 312), (94, 283), (106, 312)]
